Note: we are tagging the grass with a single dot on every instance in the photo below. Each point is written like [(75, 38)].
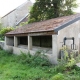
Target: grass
[(26, 67), (12, 67)]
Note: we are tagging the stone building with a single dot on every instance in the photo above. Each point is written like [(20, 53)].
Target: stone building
[(14, 17), (48, 35)]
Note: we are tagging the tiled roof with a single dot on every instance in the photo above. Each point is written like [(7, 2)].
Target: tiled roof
[(43, 26)]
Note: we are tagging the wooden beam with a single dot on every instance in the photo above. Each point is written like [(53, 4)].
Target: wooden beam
[(34, 34), (42, 33)]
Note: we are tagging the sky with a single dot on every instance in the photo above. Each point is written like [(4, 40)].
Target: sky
[(8, 5)]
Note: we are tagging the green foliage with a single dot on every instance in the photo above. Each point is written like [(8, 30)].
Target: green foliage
[(77, 58), (47, 9), (5, 30), (58, 76), (69, 6), (69, 77), (71, 62), (69, 59), (14, 67), (31, 20), (66, 63), (0, 26), (23, 23), (1, 37), (17, 67), (37, 59)]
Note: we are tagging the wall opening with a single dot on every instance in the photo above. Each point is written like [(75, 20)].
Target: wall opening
[(10, 41), (42, 41), (23, 40)]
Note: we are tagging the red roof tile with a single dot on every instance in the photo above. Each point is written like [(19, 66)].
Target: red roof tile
[(47, 25)]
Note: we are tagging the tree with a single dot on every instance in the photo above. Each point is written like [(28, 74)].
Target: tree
[(47, 9), (3, 31), (67, 7)]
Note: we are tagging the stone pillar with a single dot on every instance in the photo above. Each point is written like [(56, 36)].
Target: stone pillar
[(29, 42), (15, 41), (79, 38), (5, 40), (54, 49)]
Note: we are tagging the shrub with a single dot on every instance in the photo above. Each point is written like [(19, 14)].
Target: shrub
[(31, 20), (68, 59), (58, 76), (37, 59), (5, 30), (66, 63), (72, 77), (23, 23)]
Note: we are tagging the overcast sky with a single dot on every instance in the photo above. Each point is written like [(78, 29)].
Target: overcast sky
[(8, 5)]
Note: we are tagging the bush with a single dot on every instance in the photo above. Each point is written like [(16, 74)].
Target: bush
[(1, 37), (37, 59), (58, 76), (4, 31), (68, 58), (31, 20), (23, 23), (28, 67)]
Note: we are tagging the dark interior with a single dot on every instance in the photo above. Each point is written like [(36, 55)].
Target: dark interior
[(42, 41), (23, 40)]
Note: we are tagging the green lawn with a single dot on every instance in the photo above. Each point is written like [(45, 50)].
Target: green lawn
[(22, 67)]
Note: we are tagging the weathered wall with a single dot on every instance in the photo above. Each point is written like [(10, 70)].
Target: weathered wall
[(11, 19), (16, 15), (23, 10), (4, 21), (8, 48), (2, 44), (18, 51), (10, 41), (70, 31)]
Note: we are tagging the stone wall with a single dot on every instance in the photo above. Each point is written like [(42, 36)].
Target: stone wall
[(13, 17), (10, 41), (2, 44), (23, 10), (70, 31)]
